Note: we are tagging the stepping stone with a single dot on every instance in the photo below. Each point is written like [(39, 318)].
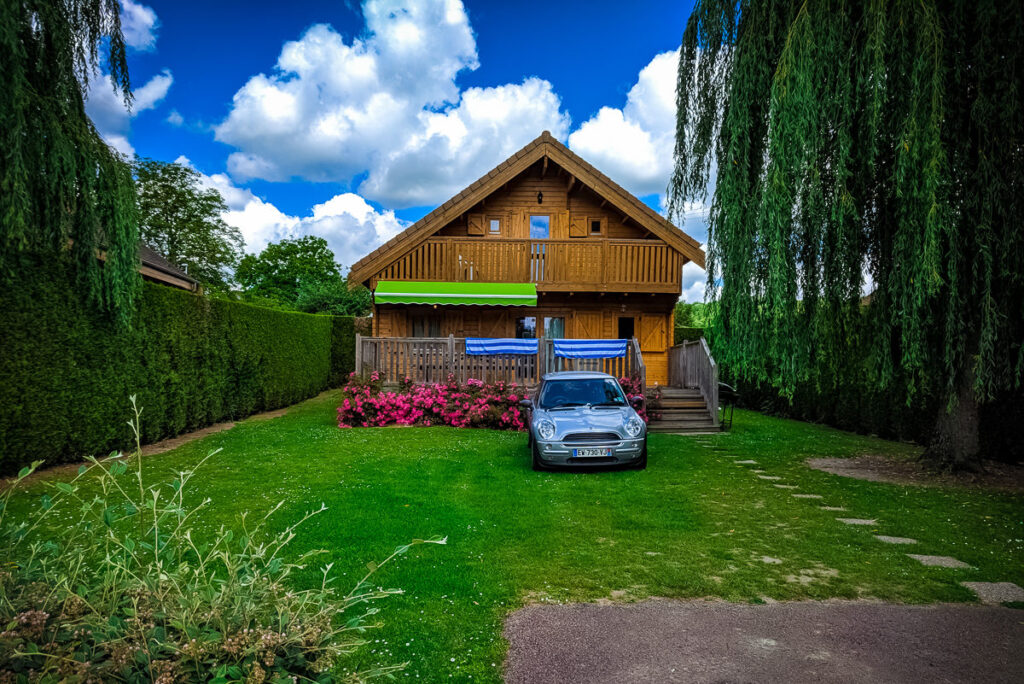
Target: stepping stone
[(994, 593), (808, 496), (757, 471), (786, 486), (774, 561), (939, 561), (769, 477), (747, 462), (857, 521), (895, 540), (832, 508)]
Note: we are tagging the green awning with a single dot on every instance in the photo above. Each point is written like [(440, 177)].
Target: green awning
[(478, 294)]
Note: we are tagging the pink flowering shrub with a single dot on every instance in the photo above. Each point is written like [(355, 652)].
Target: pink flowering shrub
[(476, 404), (633, 389)]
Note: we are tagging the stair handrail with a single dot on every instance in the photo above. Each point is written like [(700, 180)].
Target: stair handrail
[(710, 393)]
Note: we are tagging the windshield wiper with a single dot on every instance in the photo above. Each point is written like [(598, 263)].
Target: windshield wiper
[(616, 404), (571, 404)]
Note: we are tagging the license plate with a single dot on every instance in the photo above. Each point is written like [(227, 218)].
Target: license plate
[(590, 453)]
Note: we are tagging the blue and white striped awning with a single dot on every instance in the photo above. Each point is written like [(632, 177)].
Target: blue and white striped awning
[(478, 346), (590, 349)]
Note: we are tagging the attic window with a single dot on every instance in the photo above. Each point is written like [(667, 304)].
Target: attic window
[(596, 226), (494, 226)]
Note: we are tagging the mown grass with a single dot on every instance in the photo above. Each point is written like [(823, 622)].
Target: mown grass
[(695, 524)]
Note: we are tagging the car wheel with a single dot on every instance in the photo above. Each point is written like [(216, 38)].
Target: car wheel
[(642, 463), (529, 439), (535, 453)]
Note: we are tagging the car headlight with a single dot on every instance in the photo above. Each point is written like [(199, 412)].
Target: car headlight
[(546, 429), (634, 426)]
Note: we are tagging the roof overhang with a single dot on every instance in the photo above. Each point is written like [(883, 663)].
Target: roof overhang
[(543, 146), (455, 294)]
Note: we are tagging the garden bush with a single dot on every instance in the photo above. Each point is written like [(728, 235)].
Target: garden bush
[(475, 404), (129, 591), (66, 368)]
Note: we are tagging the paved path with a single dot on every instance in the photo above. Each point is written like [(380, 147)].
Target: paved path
[(714, 641)]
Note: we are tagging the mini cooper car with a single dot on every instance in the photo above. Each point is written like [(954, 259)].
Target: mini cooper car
[(584, 419)]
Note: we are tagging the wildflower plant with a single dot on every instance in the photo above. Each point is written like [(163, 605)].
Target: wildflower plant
[(132, 592)]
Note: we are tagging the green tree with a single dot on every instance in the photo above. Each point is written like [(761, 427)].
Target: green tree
[(182, 220), (862, 146), (333, 296), (284, 267), (63, 191)]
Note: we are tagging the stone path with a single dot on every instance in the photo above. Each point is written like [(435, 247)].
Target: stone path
[(895, 540), (938, 561), (994, 593), (991, 593)]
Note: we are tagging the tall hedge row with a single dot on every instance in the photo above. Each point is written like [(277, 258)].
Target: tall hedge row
[(67, 370)]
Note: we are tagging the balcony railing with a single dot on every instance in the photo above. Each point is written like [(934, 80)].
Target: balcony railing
[(556, 265)]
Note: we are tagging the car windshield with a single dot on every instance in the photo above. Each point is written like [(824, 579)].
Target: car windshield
[(593, 391)]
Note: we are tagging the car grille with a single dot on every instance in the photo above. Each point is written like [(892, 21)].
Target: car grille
[(592, 437)]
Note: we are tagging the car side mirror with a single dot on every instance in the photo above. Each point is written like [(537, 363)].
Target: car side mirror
[(637, 402), (526, 404)]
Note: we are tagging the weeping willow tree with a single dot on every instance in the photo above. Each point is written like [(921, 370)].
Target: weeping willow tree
[(63, 192), (867, 165)]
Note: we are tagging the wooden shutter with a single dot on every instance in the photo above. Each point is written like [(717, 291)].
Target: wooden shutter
[(587, 325), (559, 228), (578, 226), (652, 333), (475, 224), (519, 225)]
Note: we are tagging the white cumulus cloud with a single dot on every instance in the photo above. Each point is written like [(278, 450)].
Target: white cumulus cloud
[(385, 105), (138, 24), (107, 110), (351, 226), (634, 145)]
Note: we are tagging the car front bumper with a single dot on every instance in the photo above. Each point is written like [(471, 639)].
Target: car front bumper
[(619, 452)]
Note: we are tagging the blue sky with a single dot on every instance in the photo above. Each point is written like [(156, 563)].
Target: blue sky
[(349, 120)]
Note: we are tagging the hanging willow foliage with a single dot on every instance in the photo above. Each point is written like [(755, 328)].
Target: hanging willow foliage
[(860, 147), (63, 191)]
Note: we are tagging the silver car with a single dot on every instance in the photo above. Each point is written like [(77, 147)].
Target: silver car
[(583, 419)]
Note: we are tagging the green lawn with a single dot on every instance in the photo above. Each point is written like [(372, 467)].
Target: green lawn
[(694, 524)]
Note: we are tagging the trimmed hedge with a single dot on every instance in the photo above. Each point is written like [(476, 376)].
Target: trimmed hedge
[(67, 370), (682, 333)]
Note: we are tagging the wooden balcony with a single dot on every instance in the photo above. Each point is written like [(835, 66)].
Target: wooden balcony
[(579, 265)]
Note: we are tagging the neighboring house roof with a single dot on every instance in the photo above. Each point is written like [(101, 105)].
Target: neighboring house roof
[(155, 266), (544, 145)]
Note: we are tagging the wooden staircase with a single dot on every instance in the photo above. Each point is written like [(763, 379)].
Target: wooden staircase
[(681, 411)]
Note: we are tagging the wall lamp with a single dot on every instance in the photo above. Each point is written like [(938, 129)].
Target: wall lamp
[(540, 198)]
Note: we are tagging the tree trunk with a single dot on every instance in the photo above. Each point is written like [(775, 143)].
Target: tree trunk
[(955, 441)]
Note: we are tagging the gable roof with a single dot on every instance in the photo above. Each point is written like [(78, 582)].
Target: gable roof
[(544, 145), (156, 266)]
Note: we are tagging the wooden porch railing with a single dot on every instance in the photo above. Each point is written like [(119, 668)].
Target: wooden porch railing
[(690, 365), (432, 359), (563, 265)]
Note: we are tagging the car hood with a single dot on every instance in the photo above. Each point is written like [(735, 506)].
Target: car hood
[(586, 419)]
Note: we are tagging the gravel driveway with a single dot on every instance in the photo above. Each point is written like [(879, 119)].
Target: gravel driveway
[(713, 641)]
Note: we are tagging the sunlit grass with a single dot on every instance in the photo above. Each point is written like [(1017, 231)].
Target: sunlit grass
[(694, 524)]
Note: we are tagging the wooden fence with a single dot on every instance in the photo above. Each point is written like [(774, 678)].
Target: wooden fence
[(690, 365), (432, 359)]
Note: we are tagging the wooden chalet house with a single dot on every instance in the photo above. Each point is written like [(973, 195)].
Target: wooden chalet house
[(542, 246)]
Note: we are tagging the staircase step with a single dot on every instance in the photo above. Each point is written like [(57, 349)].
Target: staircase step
[(683, 403), (687, 427), (701, 414)]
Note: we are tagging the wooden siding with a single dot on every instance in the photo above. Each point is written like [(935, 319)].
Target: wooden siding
[(585, 316), (570, 265)]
